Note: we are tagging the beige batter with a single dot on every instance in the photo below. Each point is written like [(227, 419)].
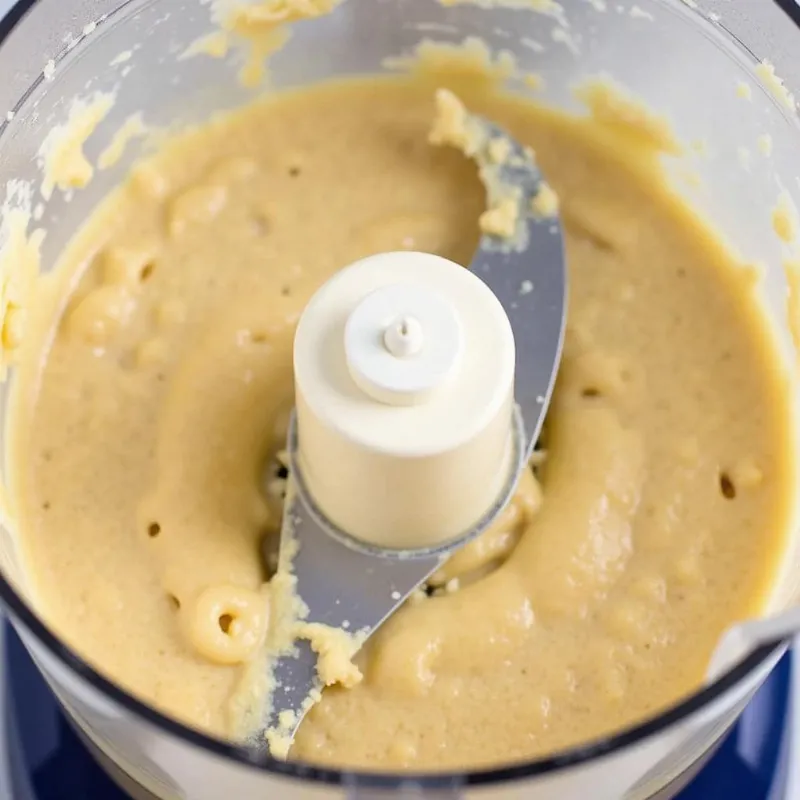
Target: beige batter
[(659, 509)]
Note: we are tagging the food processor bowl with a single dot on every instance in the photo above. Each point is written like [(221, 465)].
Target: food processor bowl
[(682, 61)]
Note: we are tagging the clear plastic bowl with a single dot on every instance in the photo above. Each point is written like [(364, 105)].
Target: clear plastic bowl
[(681, 63)]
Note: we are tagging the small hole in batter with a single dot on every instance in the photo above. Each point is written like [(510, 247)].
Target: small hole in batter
[(45, 506), (174, 602), (590, 391), (147, 271), (281, 472), (681, 272), (286, 291), (726, 486), (153, 529), (225, 622), (294, 171)]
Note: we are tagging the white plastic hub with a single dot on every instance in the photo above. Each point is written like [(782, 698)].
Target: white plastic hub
[(404, 337), (404, 382), (402, 342)]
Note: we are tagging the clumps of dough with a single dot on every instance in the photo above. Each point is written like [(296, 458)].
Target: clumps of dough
[(271, 12), (785, 218), (766, 72), (335, 649), (501, 218), (453, 125), (280, 739), (498, 150), (545, 204), (260, 27), (61, 157)]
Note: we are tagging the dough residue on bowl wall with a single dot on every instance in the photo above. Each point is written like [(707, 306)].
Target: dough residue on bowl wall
[(19, 271), (61, 157), (259, 29), (774, 83), (131, 129)]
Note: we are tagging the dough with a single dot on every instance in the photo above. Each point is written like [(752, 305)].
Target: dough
[(148, 440)]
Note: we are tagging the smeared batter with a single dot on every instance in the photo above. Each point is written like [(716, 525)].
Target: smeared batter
[(655, 515)]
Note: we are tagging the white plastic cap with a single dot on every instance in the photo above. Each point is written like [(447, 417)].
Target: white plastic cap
[(404, 380), (402, 342)]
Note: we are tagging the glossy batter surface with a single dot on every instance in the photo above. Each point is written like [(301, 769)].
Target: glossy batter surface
[(657, 515)]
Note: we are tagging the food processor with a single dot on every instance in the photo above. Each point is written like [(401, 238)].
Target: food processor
[(682, 60)]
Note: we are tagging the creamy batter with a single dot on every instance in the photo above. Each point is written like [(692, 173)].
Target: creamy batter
[(654, 515)]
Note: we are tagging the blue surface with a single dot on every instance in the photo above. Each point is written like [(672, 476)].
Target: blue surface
[(57, 766)]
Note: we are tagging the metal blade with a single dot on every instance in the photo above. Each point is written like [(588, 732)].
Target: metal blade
[(356, 588)]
